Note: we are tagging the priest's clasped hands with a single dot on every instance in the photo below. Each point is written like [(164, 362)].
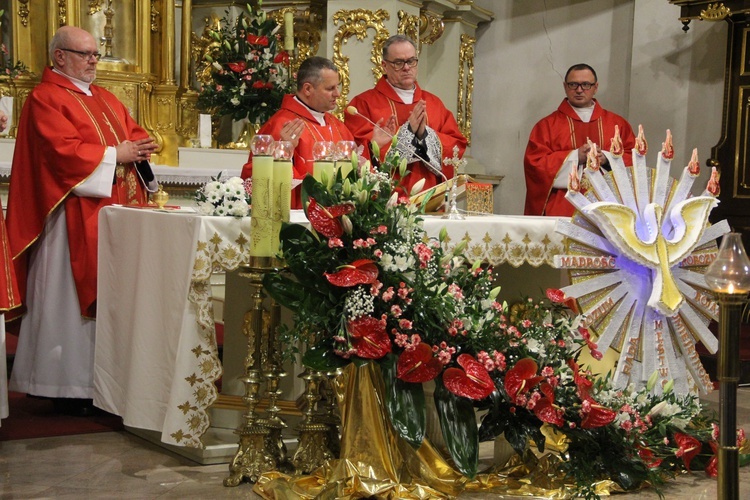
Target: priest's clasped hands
[(138, 150), (418, 119)]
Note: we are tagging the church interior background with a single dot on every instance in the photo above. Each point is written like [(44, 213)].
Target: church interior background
[(496, 64)]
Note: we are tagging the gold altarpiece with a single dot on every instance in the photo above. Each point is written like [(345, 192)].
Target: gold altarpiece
[(152, 48)]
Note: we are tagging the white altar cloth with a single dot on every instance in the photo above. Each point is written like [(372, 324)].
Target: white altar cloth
[(156, 360)]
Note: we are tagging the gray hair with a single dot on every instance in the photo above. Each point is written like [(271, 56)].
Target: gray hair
[(399, 38), (61, 39), (310, 69)]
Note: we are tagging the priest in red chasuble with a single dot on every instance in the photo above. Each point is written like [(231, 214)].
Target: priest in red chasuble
[(561, 139), (9, 296), (426, 130), (304, 118), (77, 150)]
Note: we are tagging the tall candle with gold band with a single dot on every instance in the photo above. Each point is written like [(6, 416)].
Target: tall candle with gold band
[(261, 224), (323, 154), (288, 31), (282, 185)]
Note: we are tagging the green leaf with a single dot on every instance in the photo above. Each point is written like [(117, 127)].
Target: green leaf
[(459, 426), (284, 290), (405, 403), (321, 357)]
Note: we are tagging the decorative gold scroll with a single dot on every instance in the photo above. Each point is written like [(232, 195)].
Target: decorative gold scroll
[(465, 84), (715, 12), (23, 12), (155, 14), (62, 13), (94, 6), (431, 28), (202, 46), (356, 23), (409, 25)]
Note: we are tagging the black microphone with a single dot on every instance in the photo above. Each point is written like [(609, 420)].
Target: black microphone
[(354, 112)]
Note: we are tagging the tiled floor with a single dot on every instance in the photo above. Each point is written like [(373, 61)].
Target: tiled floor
[(120, 465)]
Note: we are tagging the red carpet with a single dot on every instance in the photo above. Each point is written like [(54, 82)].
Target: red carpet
[(34, 418)]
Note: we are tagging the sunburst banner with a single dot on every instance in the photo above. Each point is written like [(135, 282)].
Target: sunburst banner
[(636, 250)]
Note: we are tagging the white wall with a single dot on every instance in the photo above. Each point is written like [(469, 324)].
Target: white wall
[(650, 71)]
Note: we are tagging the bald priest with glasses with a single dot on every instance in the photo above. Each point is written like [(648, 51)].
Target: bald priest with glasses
[(77, 150), (426, 130), (562, 138)]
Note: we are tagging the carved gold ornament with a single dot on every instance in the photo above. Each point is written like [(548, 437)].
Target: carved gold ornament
[(715, 12), (408, 24), (356, 23), (431, 28), (465, 84), (23, 12)]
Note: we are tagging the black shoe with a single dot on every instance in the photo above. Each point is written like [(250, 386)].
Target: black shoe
[(74, 407)]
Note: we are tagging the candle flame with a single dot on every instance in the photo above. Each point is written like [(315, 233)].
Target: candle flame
[(640, 142), (667, 150), (592, 158), (712, 187), (574, 184), (616, 145), (694, 168)]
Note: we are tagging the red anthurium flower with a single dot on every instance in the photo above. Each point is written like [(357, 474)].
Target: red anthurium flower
[(369, 338), (648, 457), (325, 220), (598, 416), (359, 272), (521, 378), (257, 40), (282, 57), (472, 382), (418, 365), (583, 383), (689, 447), (545, 408), (558, 297), (258, 85), (237, 67), (712, 467)]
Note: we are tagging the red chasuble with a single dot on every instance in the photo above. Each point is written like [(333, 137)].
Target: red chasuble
[(61, 140), (334, 131), (551, 141), (382, 102), (10, 298)]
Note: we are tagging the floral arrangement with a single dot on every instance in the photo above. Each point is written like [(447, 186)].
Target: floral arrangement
[(231, 197), (366, 284), (250, 73)]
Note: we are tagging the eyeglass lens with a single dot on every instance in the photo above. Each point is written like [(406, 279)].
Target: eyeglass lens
[(575, 85), (399, 63), (85, 55)]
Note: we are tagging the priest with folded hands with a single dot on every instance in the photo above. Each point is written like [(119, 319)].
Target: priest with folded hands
[(426, 130)]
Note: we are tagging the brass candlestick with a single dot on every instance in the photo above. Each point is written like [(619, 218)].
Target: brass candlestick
[(253, 458), (729, 277), (312, 450)]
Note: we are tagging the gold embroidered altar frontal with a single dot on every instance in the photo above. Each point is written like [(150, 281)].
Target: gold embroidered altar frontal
[(155, 319)]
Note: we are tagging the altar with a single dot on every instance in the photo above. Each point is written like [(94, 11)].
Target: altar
[(156, 359)]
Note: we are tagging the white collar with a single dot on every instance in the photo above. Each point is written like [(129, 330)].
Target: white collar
[(319, 117), (584, 113), (84, 87), (407, 96)]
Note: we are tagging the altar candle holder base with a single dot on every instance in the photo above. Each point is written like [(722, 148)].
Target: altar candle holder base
[(328, 414), (729, 376), (253, 457), (312, 450), (453, 213)]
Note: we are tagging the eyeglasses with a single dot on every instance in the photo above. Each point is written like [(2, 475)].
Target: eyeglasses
[(583, 85), (86, 55), (399, 63)]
